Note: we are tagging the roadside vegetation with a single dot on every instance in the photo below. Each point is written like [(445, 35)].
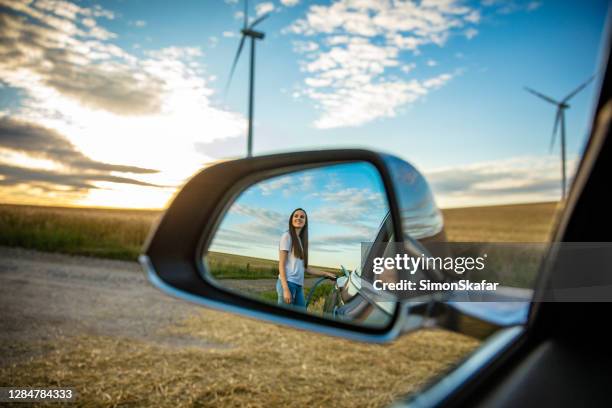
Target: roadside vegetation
[(105, 233), (120, 234), (230, 266)]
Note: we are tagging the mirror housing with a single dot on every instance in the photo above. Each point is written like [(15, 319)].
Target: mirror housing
[(173, 252)]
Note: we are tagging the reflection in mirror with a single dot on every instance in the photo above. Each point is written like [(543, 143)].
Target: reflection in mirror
[(295, 241)]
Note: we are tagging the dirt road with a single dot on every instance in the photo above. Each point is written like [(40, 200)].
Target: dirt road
[(43, 296)]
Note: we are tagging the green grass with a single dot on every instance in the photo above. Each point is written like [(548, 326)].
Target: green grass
[(231, 266), (320, 292), (223, 269), (117, 234)]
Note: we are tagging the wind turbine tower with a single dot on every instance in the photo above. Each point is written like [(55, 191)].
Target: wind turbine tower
[(561, 105), (248, 31)]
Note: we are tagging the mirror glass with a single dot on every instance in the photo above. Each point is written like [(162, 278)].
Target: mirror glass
[(295, 240)]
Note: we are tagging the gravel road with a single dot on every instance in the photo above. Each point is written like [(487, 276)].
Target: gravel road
[(43, 296)]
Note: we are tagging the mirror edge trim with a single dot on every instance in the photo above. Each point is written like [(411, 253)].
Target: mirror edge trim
[(158, 283)]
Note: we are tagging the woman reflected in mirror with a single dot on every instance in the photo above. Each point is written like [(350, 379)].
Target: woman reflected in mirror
[(293, 261)]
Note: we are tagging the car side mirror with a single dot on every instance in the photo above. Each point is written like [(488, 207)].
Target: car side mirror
[(242, 234)]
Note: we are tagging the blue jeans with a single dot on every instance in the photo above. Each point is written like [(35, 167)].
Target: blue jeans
[(297, 294)]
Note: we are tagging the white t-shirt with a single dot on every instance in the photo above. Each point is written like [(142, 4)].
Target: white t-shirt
[(294, 267)]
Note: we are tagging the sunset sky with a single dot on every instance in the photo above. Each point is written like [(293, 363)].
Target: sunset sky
[(117, 103)]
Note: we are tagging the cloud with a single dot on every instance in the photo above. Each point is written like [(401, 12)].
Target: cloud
[(302, 47), (213, 41), (13, 175), (230, 147), (511, 6), (289, 185), (473, 17), (71, 173), (342, 240), (437, 81), (534, 5), (355, 213), (408, 67), (363, 102), (175, 53), (264, 8), (470, 33), (40, 142), (257, 227), (350, 206), (514, 180), (37, 49), (262, 221), (427, 19), (289, 3), (138, 23), (353, 46)]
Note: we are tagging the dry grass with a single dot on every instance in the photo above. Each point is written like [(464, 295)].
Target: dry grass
[(264, 365), (503, 223)]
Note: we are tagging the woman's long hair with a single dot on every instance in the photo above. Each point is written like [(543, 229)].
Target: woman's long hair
[(297, 250)]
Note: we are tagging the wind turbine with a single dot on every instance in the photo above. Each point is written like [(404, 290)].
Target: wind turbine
[(248, 31), (560, 118)]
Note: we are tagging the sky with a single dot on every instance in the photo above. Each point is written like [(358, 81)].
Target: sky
[(117, 104), (345, 206)]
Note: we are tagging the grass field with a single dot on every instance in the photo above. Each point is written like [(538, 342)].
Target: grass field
[(230, 266), (503, 223), (262, 364), (119, 234)]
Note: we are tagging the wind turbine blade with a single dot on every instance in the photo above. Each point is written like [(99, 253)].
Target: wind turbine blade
[(259, 20), (235, 62), (580, 88), (541, 95), (555, 127), (246, 18)]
